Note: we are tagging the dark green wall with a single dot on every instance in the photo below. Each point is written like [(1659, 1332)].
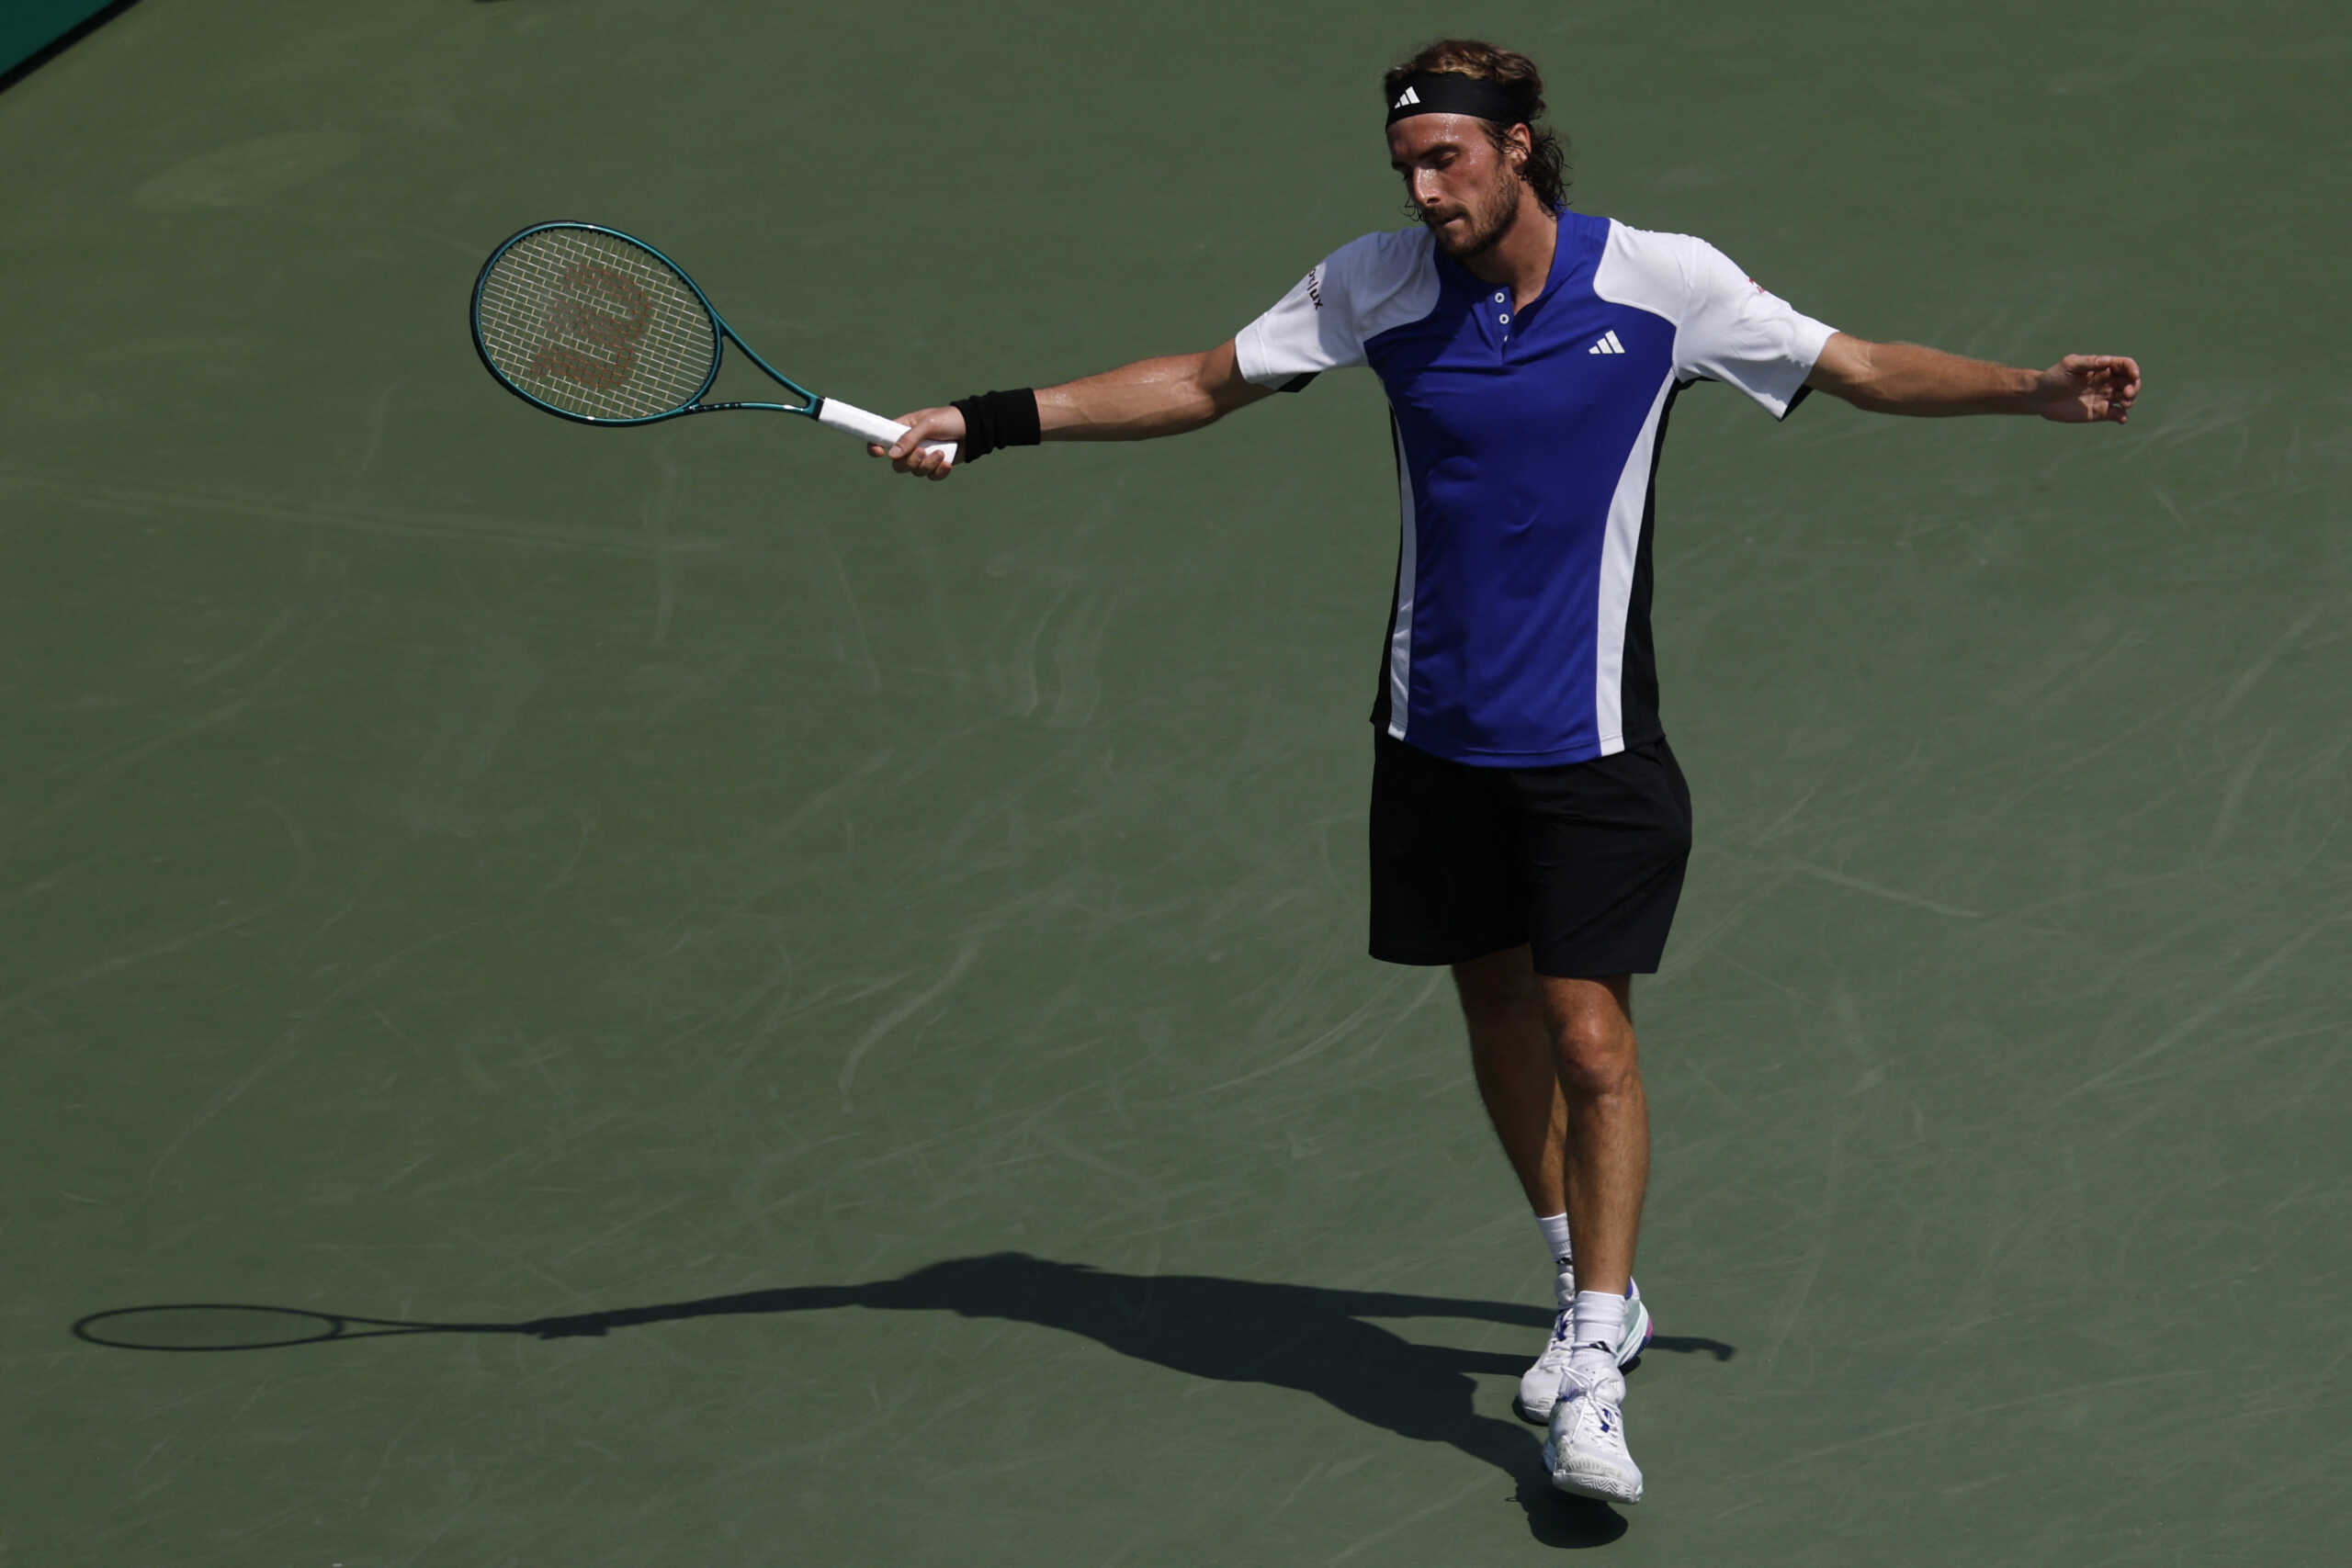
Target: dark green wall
[(28, 27)]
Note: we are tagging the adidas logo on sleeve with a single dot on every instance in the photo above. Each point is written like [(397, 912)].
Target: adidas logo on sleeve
[(1607, 343)]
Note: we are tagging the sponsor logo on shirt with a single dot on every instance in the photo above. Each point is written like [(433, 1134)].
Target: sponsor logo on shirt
[(1315, 287)]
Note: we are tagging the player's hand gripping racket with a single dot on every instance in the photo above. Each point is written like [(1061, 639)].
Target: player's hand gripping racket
[(588, 324)]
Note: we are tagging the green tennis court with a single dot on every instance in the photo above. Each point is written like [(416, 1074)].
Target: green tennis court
[(823, 1021)]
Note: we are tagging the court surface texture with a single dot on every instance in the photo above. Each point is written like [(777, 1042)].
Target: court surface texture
[(833, 1010)]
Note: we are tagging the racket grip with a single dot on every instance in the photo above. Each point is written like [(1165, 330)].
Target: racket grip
[(851, 420)]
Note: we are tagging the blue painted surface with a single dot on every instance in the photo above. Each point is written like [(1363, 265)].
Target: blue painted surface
[(28, 27)]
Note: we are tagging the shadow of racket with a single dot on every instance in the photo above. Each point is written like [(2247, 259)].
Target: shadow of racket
[(224, 1325)]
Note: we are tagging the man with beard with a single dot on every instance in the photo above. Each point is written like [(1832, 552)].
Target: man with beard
[(1529, 826)]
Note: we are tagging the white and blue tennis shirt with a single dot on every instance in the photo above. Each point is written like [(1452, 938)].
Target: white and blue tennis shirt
[(1527, 443)]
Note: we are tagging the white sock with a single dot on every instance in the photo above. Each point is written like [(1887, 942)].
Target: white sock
[(1555, 1238), (1555, 1242), (1599, 1325)]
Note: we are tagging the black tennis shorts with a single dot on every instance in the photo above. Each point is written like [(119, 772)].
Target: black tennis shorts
[(1581, 861)]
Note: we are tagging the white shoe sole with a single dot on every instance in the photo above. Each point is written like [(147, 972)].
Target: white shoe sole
[(1638, 1329), (1601, 1486)]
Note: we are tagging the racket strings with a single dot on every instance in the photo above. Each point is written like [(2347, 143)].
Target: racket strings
[(595, 325)]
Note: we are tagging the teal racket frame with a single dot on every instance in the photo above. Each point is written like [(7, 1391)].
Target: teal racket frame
[(725, 334)]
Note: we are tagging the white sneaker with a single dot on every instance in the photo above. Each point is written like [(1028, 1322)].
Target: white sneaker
[(1539, 1386), (1585, 1449)]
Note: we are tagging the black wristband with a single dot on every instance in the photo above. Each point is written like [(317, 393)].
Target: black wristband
[(998, 419)]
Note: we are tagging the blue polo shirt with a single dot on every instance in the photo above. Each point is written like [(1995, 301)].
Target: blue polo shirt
[(1527, 441)]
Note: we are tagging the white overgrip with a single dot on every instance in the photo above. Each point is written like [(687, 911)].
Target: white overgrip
[(851, 420)]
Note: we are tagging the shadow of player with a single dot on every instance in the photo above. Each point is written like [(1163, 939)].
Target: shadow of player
[(1307, 1338), (1304, 1337)]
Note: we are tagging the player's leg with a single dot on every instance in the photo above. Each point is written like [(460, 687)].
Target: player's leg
[(1512, 1055), (1607, 1154), (1514, 1060), (1556, 1066), (1607, 1161)]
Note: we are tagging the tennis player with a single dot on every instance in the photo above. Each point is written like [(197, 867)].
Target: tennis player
[(1529, 826)]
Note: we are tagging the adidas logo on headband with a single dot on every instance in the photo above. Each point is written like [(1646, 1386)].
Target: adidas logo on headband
[(1450, 92)]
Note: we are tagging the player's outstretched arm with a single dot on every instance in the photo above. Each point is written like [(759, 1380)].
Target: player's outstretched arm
[(1151, 397), (1903, 377)]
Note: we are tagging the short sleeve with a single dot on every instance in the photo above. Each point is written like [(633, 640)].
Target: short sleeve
[(1735, 330), (1310, 330)]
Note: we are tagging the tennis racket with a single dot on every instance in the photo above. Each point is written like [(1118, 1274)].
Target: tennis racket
[(592, 325)]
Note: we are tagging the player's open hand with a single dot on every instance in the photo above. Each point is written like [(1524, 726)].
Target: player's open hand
[(2089, 388), (907, 453)]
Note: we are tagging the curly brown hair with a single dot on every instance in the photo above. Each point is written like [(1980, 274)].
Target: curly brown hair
[(1546, 168)]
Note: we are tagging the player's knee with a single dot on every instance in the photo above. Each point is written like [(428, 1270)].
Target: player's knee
[(1596, 1056)]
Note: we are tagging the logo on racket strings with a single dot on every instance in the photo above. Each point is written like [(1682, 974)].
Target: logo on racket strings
[(604, 312)]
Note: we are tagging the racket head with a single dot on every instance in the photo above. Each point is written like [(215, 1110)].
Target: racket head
[(594, 325)]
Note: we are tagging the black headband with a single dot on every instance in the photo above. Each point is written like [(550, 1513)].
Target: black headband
[(1449, 92)]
